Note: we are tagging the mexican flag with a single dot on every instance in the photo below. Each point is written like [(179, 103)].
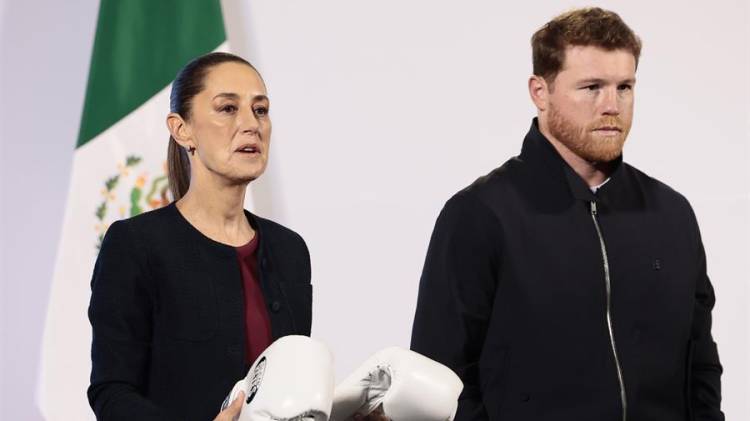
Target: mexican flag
[(119, 167)]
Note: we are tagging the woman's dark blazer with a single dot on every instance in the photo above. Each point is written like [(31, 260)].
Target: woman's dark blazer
[(167, 313)]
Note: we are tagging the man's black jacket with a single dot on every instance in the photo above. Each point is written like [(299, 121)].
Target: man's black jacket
[(167, 313), (513, 297)]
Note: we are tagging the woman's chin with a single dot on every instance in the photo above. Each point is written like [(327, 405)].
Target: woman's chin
[(246, 175), (246, 178)]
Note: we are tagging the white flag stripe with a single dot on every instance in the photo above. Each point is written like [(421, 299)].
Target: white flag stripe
[(66, 361)]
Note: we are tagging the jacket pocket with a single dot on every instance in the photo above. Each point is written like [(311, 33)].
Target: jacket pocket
[(299, 303)]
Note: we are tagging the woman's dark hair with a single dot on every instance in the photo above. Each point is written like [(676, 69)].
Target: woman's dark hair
[(187, 84)]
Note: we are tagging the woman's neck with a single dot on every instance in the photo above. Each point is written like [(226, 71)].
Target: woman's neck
[(217, 211)]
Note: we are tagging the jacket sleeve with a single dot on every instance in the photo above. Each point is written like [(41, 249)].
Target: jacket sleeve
[(120, 315), (704, 366), (456, 293)]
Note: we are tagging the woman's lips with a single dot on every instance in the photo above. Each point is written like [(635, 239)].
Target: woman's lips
[(248, 149)]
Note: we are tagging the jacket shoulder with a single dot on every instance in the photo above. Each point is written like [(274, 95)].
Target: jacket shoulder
[(656, 190), (479, 200), (496, 180)]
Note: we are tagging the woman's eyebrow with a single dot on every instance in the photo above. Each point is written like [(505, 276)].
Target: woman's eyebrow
[(232, 95), (229, 95)]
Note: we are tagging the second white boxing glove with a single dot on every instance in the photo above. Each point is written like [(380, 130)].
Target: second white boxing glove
[(409, 386), (291, 380)]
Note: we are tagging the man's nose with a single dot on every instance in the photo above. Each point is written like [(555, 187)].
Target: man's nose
[(610, 102)]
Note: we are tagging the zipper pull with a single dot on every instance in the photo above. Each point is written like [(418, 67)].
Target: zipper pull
[(593, 208)]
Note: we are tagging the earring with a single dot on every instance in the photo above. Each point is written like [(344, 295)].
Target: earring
[(192, 150)]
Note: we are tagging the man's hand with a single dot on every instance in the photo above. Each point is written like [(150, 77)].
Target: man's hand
[(409, 385), (376, 415), (233, 411), (371, 417)]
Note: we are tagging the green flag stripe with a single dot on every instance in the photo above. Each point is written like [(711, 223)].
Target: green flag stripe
[(139, 47)]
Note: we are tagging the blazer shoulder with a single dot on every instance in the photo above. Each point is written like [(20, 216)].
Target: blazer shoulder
[(287, 248), (151, 223), (279, 233)]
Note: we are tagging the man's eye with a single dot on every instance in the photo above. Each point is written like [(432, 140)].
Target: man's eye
[(592, 87), (624, 87), (261, 111), (228, 109)]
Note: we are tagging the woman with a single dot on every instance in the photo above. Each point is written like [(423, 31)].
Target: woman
[(185, 297)]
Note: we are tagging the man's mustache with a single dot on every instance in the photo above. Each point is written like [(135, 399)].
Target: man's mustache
[(608, 123)]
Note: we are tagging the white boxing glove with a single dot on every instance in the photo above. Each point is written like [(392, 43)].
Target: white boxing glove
[(291, 380), (409, 386)]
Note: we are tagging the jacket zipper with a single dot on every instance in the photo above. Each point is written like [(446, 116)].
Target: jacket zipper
[(608, 284)]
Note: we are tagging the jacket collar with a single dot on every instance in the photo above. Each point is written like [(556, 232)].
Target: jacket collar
[(558, 180), (221, 249)]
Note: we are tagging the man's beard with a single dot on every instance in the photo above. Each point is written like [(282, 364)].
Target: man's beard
[(584, 142)]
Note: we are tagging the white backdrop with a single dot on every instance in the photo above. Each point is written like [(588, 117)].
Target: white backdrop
[(381, 111)]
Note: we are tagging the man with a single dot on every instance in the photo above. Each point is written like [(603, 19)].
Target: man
[(566, 284)]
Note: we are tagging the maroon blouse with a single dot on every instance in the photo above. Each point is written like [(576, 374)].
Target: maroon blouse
[(257, 324)]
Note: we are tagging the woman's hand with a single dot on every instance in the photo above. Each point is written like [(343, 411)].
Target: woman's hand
[(233, 411)]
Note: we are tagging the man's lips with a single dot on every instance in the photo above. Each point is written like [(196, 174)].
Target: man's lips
[(608, 131)]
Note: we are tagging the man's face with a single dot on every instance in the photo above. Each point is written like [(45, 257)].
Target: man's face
[(590, 102)]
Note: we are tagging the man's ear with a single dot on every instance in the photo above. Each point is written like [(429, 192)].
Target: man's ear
[(179, 130), (539, 92)]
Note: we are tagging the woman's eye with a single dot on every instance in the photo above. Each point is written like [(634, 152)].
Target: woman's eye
[(261, 111), (228, 109)]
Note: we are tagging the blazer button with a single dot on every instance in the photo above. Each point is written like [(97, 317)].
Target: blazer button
[(275, 306)]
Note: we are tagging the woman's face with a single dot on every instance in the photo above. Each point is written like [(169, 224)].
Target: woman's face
[(229, 125)]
